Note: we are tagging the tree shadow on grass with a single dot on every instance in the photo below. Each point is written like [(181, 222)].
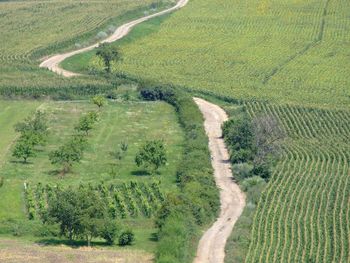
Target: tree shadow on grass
[(141, 173), (69, 243)]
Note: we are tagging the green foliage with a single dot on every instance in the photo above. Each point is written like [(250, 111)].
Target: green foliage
[(1, 181), (239, 137), (99, 101), (198, 201), (126, 238), (81, 213), (151, 155), (109, 53), (86, 122), (242, 171), (33, 131), (69, 153), (24, 149)]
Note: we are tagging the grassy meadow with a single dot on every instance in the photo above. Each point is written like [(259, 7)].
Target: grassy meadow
[(133, 122), (32, 30), (283, 51)]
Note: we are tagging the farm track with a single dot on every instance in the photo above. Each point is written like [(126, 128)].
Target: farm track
[(211, 247), (52, 63), (212, 244)]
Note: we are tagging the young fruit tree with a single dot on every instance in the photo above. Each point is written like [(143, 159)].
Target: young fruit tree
[(99, 101), (69, 153), (151, 155), (24, 149), (86, 122)]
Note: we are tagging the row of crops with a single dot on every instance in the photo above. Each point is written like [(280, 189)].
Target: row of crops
[(285, 51), (304, 214), (125, 200)]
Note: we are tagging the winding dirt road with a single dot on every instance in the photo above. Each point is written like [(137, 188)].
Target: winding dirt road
[(211, 247), (52, 63)]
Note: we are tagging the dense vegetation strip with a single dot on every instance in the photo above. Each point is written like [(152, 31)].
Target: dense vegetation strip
[(197, 202)]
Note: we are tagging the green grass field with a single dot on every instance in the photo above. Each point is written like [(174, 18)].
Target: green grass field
[(283, 51), (133, 122), (33, 29)]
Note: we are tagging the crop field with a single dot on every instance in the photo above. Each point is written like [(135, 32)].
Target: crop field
[(284, 51), (303, 215), (31, 30), (135, 194)]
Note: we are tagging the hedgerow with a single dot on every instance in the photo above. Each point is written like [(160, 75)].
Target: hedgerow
[(197, 202)]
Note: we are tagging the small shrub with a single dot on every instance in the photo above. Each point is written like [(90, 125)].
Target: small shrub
[(242, 171), (126, 238)]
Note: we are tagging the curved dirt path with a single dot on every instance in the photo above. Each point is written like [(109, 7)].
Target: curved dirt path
[(52, 63), (211, 248)]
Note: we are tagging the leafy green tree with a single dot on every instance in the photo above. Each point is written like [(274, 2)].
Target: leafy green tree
[(86, 122), (35, 128), (108, 53), (99, 101), (68, 154), (151, 155), (82, 213), (24, 149)]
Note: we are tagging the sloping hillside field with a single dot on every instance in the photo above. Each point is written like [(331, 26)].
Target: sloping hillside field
[(31, 30), (303, 215), (279, 50)]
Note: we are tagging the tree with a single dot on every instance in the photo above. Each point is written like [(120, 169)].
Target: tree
[(86, 122), (108, 53), (82, 213), (120, 153), (239, 137), (99, 101), (24, 149), (35, 128), (68, 154), (151, 155), (268, 137)]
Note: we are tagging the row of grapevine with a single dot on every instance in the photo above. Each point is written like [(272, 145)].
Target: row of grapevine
[(303, 214), (126, 200)]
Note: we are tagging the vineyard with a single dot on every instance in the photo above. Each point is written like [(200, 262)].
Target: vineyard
[(285, 51), (127, 200), (303, 215), (33, 29)]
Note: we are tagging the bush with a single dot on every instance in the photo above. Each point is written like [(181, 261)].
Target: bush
[(242, 171), (126, 238), (262, 170), (1, 181)]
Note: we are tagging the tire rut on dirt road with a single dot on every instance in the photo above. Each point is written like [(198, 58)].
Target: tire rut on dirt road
[(211, 248)]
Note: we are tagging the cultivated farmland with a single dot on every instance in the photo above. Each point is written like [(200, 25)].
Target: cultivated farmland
[(303, 215), (31, 30), (282, 51)]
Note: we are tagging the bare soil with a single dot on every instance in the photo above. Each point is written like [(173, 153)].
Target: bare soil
[(211, 248)]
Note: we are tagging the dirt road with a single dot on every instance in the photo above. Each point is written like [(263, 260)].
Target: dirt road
[(211, 248), (52, 63)]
